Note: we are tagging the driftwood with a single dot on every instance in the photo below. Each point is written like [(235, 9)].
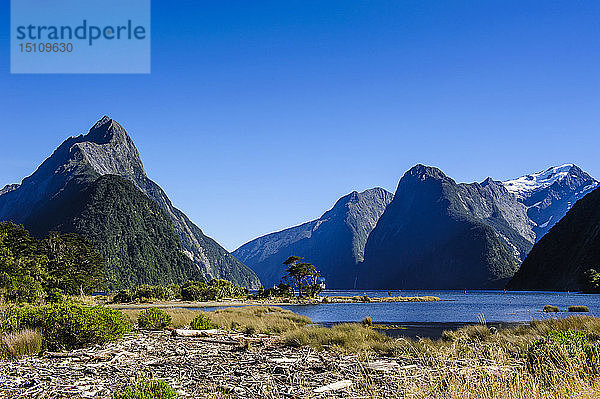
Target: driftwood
[(180, 332), (221, 365), (334, 386)]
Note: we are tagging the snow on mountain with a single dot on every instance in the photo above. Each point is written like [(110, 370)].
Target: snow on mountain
[(548, 195), (527, 184)]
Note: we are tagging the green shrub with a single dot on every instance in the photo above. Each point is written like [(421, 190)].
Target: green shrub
[(69, 325), (367, 322), (551, 309), (155, 389), (579, 308), (201, 322), (153, 319), (560, 350), (123, 296), (55, 295)]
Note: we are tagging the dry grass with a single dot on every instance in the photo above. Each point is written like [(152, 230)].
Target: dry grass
[(351, 338), (258, 319), (21, 343), (249, 319)]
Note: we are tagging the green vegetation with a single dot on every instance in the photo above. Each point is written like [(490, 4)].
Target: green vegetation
[(32, 270), (213, 290), (153, 319), (129, 230), (302, 276), (579, 309), (551, 309), (201, 322), (590, 281), (559, 350), (67, 325), (154, 389), (191, 291), (280, 291), (21, 343)]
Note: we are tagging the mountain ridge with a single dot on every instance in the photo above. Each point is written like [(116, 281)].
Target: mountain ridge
[(334, 242)]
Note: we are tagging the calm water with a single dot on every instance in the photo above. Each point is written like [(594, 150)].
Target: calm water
[(457, 307)]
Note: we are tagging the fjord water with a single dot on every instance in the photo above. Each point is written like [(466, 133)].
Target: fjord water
[(455, 307)]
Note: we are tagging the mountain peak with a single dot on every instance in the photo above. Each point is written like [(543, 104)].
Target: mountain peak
[(423, 172), (106, 130), (523, 186)]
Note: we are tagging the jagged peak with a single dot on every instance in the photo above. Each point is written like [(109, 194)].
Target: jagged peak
[(105, 131)]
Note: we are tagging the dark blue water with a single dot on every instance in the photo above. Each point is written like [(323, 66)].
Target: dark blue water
[(456, 307)]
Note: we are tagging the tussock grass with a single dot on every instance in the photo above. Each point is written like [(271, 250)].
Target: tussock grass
[(20, 343), (257, 319), (551, 309), (347, 337), (248, 319)]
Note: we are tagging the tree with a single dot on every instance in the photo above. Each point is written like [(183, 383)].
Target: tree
[(74, 265), (22, 265), (301, 275)]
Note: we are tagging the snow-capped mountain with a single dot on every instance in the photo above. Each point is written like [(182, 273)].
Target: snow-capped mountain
[(549, 194)]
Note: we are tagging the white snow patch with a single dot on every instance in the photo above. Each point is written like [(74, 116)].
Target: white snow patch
[(536, 181)]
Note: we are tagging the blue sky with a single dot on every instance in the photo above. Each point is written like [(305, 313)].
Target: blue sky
[(259, 115)]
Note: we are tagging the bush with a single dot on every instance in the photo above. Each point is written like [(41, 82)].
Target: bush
[(551, 309), (55, 295), (68, 325), (560, 350), (579, 308), (367, 322), (153, 319), (123, 296), (201, 322), (20, 343), (155, 389)]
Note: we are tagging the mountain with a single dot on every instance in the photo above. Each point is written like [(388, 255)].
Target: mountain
[(130, 231), (558, 260), (549, 194), (334, 243), (107, 149), (438, 234)]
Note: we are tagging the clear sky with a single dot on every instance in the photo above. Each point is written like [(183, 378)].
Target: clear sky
[(259, 115)]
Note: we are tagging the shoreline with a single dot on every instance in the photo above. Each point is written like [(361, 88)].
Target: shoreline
[(253, 302)]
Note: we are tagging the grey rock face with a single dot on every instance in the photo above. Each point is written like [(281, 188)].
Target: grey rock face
[(334, 243), (438, 234), (108, 149)]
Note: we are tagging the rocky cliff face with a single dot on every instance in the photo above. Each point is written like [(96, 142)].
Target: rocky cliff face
[(107, 149), (438, 234), (334, 243), (549, 194), (558, 260)]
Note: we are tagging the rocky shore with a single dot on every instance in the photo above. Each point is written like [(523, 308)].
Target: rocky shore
[(227, 365)]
